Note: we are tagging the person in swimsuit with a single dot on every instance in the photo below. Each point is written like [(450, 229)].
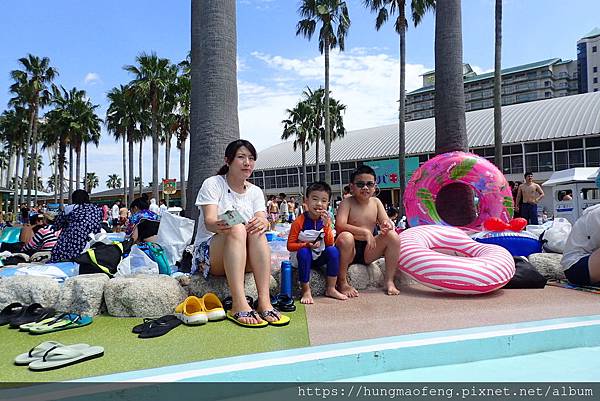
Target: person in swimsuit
[(356, 219)]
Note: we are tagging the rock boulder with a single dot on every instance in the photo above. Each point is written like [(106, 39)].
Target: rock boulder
[(28, 289), (143, 295), (83, 294), (548, 264)]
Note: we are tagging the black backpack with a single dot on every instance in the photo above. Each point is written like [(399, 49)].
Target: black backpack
[(101, 258), (526, 276)]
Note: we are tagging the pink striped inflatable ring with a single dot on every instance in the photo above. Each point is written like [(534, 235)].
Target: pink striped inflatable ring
[(427, 254)]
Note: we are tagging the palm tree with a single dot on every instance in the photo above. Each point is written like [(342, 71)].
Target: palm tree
[(118, 121), (114, 181), (384, 8), (71, 115), (31, 88), (184, 87), (213, 113), (153, 76), (315, 100), (91, 182), (334, 19), (497, 88), (455, 202), (14, 126), (299, 125)]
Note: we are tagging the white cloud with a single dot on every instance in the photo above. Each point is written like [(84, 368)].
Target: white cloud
[(91, 78), (365, 80)]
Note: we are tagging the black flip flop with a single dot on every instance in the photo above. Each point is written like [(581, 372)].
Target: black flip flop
[(147, 321), (285, 303), (160, 326), (11, 312), (228, 302), (33, 313)]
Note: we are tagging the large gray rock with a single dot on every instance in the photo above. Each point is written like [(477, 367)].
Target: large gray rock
[(548, 264), (28, 289), (83, 294), (318, 282), (143, 295), (199, 286)]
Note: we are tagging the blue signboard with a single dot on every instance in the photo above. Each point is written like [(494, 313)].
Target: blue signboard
[(387, 171)]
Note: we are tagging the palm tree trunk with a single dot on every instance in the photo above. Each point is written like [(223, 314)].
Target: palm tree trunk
[(62, 150), (124, 169), (317, 166), (401, 114), (131, 173), (57, 167), (78, 168), (303, 178), (167, 162), (86, 185), (450, 123), (214, 96), (455, 202), (140, 167), (35, 175), (497, 88), (155, 147), (15, 184), (31, 141), (23, 175), (70, 171), (327, 131), (11, 161), (182, 175)]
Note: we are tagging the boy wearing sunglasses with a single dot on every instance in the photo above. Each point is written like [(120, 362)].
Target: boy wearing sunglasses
[(311, 237), (356, 219)]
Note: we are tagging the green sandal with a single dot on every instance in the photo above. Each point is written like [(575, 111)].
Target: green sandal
[(68, 321)]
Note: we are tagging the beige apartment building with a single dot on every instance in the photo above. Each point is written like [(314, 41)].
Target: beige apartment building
[(544, 79)]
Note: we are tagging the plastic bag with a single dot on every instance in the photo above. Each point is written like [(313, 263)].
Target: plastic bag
[(556, 236), (136, 263), (174, 234)]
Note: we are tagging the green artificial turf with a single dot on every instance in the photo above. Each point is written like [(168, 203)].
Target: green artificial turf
[(124, 351)]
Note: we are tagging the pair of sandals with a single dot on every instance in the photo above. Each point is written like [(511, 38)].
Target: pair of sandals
[(64, 321), (281, 302), (17, 314), (279, 319), (53, 355), (156, 327)]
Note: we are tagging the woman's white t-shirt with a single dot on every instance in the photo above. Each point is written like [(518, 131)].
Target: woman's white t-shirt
[(216, 191)]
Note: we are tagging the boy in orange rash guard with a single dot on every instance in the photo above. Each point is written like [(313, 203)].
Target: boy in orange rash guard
[(311, 237)]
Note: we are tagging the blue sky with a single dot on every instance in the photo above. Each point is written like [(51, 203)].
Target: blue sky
[(90, 42)]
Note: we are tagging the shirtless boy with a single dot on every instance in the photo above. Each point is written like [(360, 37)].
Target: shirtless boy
[(530, 193), (356, 219)]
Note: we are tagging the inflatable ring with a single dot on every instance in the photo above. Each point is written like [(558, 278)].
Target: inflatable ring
[(489, 184), (521, 243), (427, 254)]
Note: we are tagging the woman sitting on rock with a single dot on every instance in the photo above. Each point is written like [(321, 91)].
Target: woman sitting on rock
[(581, 257), (231, 250), (77, 221)]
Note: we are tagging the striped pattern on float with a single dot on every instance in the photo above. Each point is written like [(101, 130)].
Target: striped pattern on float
[(429, 255)]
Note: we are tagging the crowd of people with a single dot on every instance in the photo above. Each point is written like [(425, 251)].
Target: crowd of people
[(354, 228)]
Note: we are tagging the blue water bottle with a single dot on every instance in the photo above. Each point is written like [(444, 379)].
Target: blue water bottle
[(285, 278)]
